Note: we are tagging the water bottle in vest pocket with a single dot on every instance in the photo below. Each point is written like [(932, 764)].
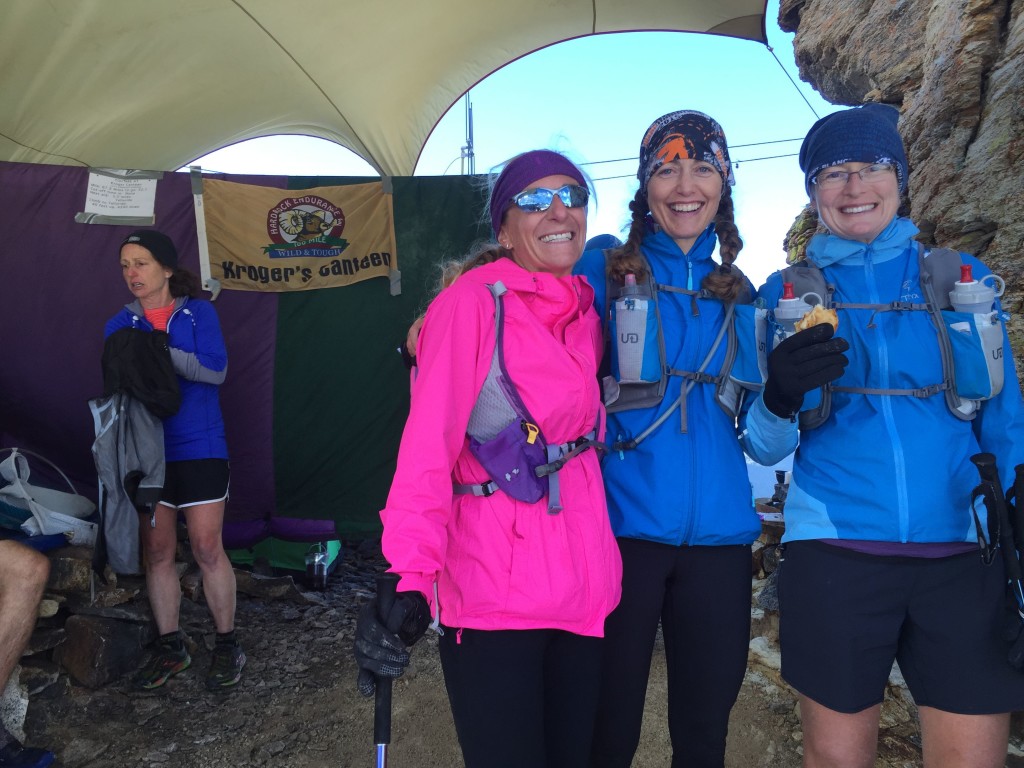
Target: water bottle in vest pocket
[(751, 365), (977, 343), (635, 355), (746, 369), (976, 335)]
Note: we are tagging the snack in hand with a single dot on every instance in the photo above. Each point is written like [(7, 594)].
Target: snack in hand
[(817, 316)]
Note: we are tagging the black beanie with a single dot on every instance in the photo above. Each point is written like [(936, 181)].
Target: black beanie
[(157, 243), (865, 134)]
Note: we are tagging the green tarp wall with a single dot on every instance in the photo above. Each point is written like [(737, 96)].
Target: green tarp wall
[(341, 391)]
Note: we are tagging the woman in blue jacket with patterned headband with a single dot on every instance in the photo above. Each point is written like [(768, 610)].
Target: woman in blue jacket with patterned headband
[(678, 494), (195, 451), (880, 556)]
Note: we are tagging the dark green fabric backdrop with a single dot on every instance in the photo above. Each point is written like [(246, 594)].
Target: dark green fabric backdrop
[(341, 392)]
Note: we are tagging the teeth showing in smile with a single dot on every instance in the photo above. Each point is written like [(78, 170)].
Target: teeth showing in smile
[(858, 208), (685, 207), (557, 238)]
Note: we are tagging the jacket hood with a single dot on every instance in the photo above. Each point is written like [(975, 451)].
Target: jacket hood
[(827, 249), (516, 278)]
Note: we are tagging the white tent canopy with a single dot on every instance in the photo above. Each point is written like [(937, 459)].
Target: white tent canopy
[(154, 84)]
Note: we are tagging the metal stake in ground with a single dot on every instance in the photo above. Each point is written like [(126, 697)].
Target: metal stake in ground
[(386, 584)]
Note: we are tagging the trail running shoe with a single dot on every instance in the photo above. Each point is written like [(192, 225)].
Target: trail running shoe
[(14, 755), (166, 662), (226, 667)]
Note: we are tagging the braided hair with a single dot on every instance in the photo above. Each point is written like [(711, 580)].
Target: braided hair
[(725, 282)]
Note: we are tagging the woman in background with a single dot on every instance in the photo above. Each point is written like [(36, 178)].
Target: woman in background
[(195, 451)]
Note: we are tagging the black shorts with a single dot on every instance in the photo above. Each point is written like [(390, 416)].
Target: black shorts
[(846, 616), (189, 483)]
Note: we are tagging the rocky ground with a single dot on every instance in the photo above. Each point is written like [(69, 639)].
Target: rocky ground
[(297, 706)]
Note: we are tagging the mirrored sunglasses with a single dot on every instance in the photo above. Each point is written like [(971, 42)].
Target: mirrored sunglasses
[(540, 198)]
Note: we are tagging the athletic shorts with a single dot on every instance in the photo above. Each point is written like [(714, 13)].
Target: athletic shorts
[(845, 616), (189, 483)]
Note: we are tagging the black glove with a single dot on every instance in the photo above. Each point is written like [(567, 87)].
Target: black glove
[(380, 648), (801, 363)]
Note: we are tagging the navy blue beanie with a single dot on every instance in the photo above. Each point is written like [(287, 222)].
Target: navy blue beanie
[(157, 243), (866, 134), (602, 243)]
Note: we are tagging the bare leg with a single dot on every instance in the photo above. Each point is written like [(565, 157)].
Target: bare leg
[(23, 574), (205, 523), (963, 741), (160, 544), (838, 740)]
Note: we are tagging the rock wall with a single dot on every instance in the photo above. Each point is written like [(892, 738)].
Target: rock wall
[(955, 68)]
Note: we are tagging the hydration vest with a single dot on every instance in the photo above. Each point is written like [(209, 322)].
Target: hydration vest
[(939, 270), (620, 395), (505, 438)]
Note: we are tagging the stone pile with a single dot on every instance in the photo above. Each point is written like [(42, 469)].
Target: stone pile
[(92, 632), (297, 706)]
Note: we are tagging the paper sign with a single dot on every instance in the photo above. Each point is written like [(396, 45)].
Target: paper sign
[(109, 195)]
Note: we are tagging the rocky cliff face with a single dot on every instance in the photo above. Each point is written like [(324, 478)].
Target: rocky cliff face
[(955, 68)]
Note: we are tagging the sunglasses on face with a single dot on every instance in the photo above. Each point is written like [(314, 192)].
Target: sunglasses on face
[(540, 198)]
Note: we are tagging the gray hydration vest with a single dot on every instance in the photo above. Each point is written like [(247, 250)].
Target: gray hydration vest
[(507, 441), (939, 270), (624, 394)]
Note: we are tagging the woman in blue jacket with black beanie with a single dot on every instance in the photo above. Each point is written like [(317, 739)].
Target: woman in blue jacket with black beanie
[(676, 480), (196, 455), (881, 559)]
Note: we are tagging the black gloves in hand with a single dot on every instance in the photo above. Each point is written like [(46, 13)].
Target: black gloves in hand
[(801, 363), (380, 648)]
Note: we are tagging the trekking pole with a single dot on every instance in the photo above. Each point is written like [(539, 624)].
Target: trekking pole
[(991, 490), (386, 584), (1017, 510), (1017, 524)]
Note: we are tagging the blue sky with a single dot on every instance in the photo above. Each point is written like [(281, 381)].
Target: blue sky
[(593, 99)]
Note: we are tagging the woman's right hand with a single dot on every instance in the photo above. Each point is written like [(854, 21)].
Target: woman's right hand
[(380, 646), (801, 363)]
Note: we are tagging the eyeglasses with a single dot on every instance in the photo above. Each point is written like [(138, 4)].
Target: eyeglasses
[(831, 178), (540, 198)]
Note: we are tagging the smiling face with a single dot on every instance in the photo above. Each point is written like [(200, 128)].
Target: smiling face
[(857, 210), (546, 241), (146, 277), (683, 196)]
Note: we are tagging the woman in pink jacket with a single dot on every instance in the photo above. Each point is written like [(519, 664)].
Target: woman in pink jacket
[(517, 573)]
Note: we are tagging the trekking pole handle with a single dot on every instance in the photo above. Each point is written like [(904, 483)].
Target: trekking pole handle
[(386, 584), (986, 464)]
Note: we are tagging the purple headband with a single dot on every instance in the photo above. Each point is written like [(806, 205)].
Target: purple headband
[(520, 172)]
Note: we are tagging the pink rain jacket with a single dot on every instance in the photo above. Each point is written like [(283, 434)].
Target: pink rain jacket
[(499, 563)]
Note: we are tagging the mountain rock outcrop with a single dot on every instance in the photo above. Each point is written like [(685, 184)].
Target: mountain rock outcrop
[(955, 68)]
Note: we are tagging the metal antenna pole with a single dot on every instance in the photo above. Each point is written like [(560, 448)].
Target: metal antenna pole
[(468, 158)]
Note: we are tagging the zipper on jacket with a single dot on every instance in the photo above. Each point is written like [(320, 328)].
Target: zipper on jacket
[(885, 367)]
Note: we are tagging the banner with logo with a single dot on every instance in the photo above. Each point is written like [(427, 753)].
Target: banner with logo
[(267, 239)]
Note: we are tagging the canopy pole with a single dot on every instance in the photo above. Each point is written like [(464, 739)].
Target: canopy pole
[(210, 283)]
